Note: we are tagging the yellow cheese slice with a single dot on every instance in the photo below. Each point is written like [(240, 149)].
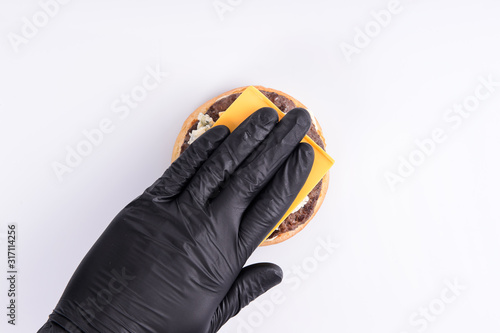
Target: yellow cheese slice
[(252, 100)]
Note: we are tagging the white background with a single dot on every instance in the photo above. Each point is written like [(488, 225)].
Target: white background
[(396, 248)]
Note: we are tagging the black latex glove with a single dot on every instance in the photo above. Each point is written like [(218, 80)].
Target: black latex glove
[(171, 261)]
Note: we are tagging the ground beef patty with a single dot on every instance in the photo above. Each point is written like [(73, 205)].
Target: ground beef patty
[(284, 104)]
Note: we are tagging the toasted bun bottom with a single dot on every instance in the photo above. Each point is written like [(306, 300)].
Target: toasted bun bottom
[(193, 119)]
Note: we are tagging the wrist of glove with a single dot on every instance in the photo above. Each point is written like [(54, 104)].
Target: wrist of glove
[(51, 326), (172, 260)]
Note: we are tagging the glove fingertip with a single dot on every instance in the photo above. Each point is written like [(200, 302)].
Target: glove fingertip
[(274, 275)]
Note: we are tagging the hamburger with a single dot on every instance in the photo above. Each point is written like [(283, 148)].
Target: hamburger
[(207, 114)]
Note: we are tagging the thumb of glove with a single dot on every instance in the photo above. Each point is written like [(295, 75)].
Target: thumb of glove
[(253, 281)]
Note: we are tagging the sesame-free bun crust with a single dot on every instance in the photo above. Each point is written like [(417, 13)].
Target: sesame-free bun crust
[(193, 118)]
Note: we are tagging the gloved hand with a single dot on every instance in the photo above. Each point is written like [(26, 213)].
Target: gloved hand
[(172, 260)]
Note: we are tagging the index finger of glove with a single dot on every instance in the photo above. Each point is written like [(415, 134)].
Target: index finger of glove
[(274, 200)]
